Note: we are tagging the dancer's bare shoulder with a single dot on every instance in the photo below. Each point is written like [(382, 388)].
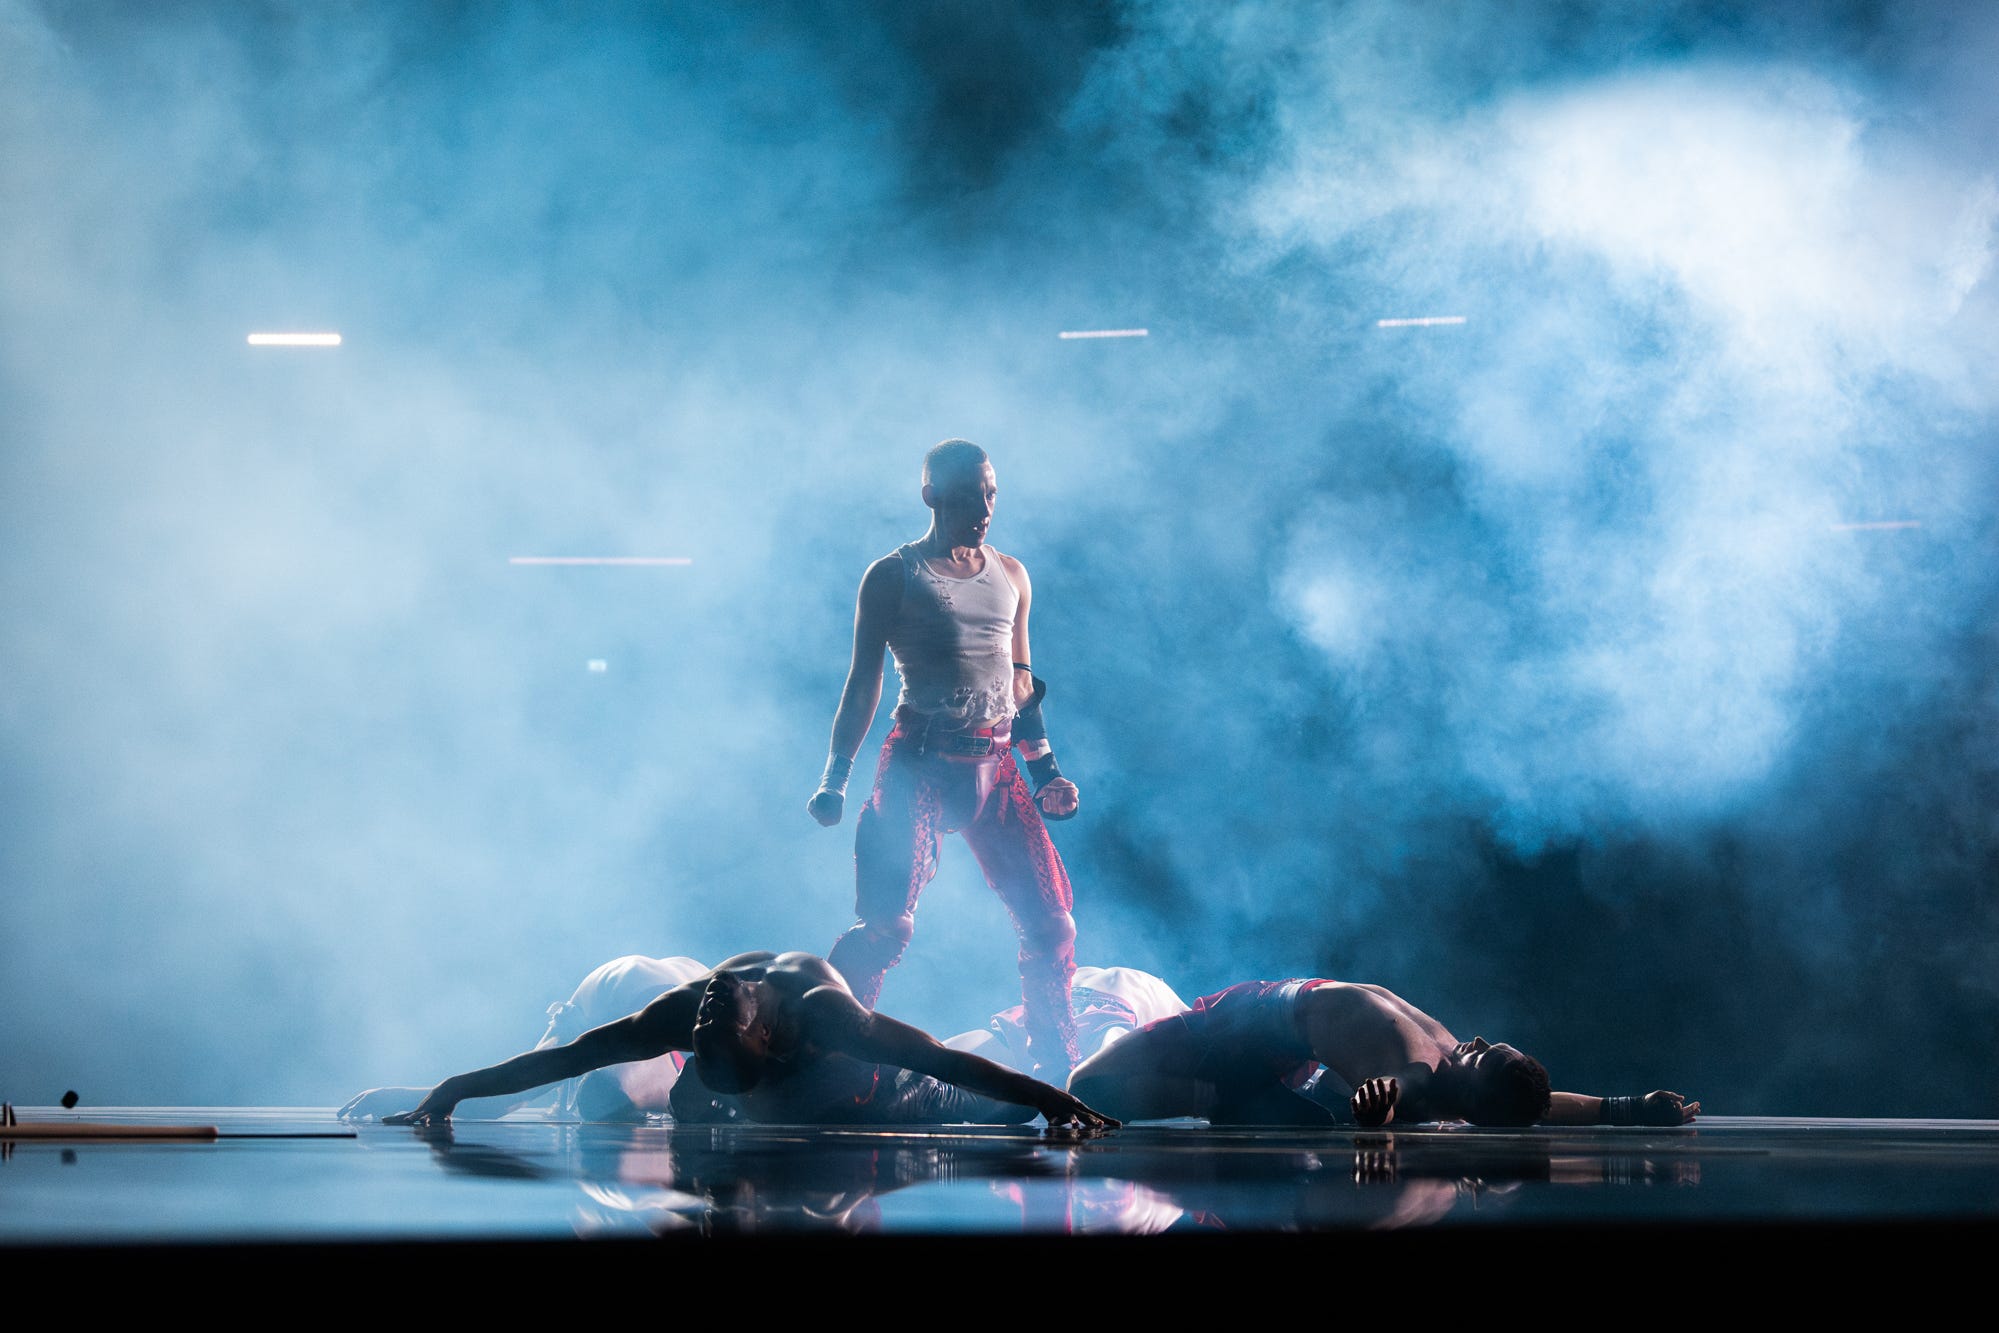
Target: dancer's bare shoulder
[(1016, 572), (884, 575), (757, 962), (801, 972)]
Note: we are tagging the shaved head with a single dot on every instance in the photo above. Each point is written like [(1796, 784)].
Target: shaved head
[(951, 458)]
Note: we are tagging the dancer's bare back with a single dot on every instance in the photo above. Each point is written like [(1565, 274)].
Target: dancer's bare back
[(1362, 1031)]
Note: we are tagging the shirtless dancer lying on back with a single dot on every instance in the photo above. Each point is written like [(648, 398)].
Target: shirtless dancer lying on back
[(785, 1040), (1239, 1056)]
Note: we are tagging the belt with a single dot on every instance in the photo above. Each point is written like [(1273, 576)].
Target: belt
[(960, 743)]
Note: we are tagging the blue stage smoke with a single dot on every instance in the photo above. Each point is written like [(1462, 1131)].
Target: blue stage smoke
[(1612, 672)]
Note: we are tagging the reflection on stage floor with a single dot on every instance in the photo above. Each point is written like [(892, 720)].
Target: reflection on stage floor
[(529, 1179)]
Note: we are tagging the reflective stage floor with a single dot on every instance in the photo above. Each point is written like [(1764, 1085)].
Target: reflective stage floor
[(533, 1181)]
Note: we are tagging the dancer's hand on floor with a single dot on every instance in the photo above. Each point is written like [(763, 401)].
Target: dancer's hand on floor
[(1064, 1112), (1374, 1101), (381, 1103), (435, 1109), (1666, 1108)]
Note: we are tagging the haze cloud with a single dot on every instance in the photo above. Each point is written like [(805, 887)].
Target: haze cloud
[(1531, 665)]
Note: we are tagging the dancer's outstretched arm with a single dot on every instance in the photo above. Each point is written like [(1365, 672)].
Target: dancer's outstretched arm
[(836, 1022), (1654, 1108), (667, 1024), (1380, 1100)]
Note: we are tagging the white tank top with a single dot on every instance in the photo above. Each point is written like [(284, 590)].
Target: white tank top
[(953, 643)]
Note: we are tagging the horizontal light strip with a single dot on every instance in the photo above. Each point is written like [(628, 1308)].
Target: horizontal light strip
[(1890, 526), (599, 560), (1104, 333), (294, 340), (1419, 322)]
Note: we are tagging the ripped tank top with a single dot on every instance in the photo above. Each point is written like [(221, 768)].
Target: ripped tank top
[(953, 643)]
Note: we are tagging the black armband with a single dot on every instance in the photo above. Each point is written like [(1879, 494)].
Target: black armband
[(1043, 771), (1028, 723), (1620, 1110)]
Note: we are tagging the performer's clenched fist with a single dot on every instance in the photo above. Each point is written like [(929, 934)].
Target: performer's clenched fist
[(831, 798), (1059, 799), (826, 806)]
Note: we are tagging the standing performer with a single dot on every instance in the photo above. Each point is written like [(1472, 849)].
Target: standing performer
[(954, 612)]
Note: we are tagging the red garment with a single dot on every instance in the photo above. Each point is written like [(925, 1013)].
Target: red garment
[(1247, 1031), (920, 795)]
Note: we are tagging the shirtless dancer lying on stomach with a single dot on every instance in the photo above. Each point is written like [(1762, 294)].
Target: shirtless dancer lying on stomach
[(783, 1037), (1107, 1002)]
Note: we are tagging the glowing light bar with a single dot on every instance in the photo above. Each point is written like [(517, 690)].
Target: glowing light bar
[(1419, 322), (1892, 525), (294, 340), (1104, 333), (599, 560), (597, 666)]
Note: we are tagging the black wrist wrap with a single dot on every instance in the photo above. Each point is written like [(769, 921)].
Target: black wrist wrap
[(1621, 1110), (1043, 771), (1028, 724)]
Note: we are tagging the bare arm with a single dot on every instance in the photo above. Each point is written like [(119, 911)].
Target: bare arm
[(1023, 680), (1654, 1108), (381, 1103), (875, 610), (667, 1024), (837, 1022), (1573, 1108), (1056, 795)]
